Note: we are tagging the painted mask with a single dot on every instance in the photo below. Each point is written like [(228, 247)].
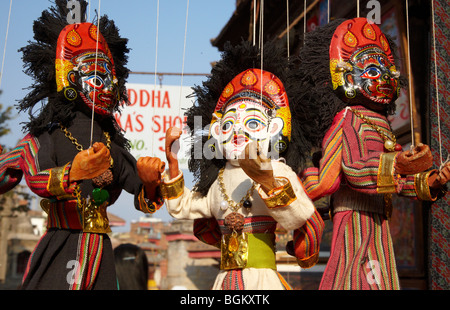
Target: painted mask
[(361, 64), (85, 68), (252, 107)]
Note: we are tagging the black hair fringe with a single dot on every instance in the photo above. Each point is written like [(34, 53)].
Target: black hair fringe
[(234, 60), (39, 63)]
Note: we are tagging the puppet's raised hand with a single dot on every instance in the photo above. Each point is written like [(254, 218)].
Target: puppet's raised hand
[(149, 171), (90, 163), (257, 166), (438, 180), (419, 160), (172, 147)]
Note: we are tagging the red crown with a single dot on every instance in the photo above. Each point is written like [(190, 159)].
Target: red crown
[(355, 34)]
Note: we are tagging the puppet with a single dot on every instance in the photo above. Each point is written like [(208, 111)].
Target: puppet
[(244, 187), (348, 73), (80, 72)]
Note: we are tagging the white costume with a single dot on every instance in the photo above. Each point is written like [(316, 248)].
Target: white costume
[(287, 205)]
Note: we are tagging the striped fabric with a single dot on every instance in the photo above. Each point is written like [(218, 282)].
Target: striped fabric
[(90, 249), (362, 255), (351, 152), (307, 241), (253, 225), (235, 281), (23, 160), (65, 215)]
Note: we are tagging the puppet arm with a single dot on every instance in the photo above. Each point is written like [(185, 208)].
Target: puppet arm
[(306, 242), (288, 203), (377, 172), (325, 179), (180, 201), (49, 183)]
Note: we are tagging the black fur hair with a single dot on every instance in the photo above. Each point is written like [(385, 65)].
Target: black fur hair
[(315, 92), (236, 59), (39, 63)]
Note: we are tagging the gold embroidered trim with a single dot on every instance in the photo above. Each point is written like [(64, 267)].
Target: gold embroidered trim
[(172, 190), (386, 180), (281, 196), (421, 186), (55, 185)]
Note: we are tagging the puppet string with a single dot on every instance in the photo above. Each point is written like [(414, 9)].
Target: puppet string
[(95, 71), (304, 21), (328, 11), (287, 27), (254, 22), (437, 87), (357, 8), (156, 70), (184, 55), (409, 78), (6, 40)]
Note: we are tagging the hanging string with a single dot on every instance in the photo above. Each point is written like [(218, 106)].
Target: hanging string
[(95, 71), (437, 90), (254, 22), (328, 11), (184, 54), (6, 40), (156, 73), (261, 38), (287, 27), (304, 21), (409, 79), (357, 8)]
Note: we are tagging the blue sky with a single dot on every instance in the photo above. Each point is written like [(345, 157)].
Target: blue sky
[(137, 21)]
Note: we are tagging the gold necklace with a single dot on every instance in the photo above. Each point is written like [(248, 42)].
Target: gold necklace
[(245, 202), (234, 221), (390, 143)]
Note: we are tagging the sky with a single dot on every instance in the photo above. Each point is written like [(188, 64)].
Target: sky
[(162, 42)]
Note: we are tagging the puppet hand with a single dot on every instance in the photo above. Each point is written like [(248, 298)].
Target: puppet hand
[(172, 143), (149, 171), (420, 159), (439, 180), (257, 166), (90, 163)]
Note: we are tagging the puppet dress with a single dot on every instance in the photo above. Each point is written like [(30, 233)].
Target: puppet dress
[(75, 252), (251, 264), (359, 173)]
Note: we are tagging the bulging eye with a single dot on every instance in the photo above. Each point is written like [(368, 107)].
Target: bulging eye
[(254, 124), (371, 73), (226, 126), (94, 82)]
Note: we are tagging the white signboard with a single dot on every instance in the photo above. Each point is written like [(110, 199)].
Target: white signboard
[(153, 110)]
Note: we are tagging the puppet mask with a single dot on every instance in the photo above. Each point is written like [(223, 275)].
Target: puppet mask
[(361, 64), (85, 68), (252, 107)]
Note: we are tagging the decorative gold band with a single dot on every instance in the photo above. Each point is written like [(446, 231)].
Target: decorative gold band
[(55, 184), (281, 196), (421, 186), (173, 189), (386, 180)]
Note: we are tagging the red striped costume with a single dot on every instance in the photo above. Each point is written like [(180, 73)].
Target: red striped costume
[(362, 255)]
